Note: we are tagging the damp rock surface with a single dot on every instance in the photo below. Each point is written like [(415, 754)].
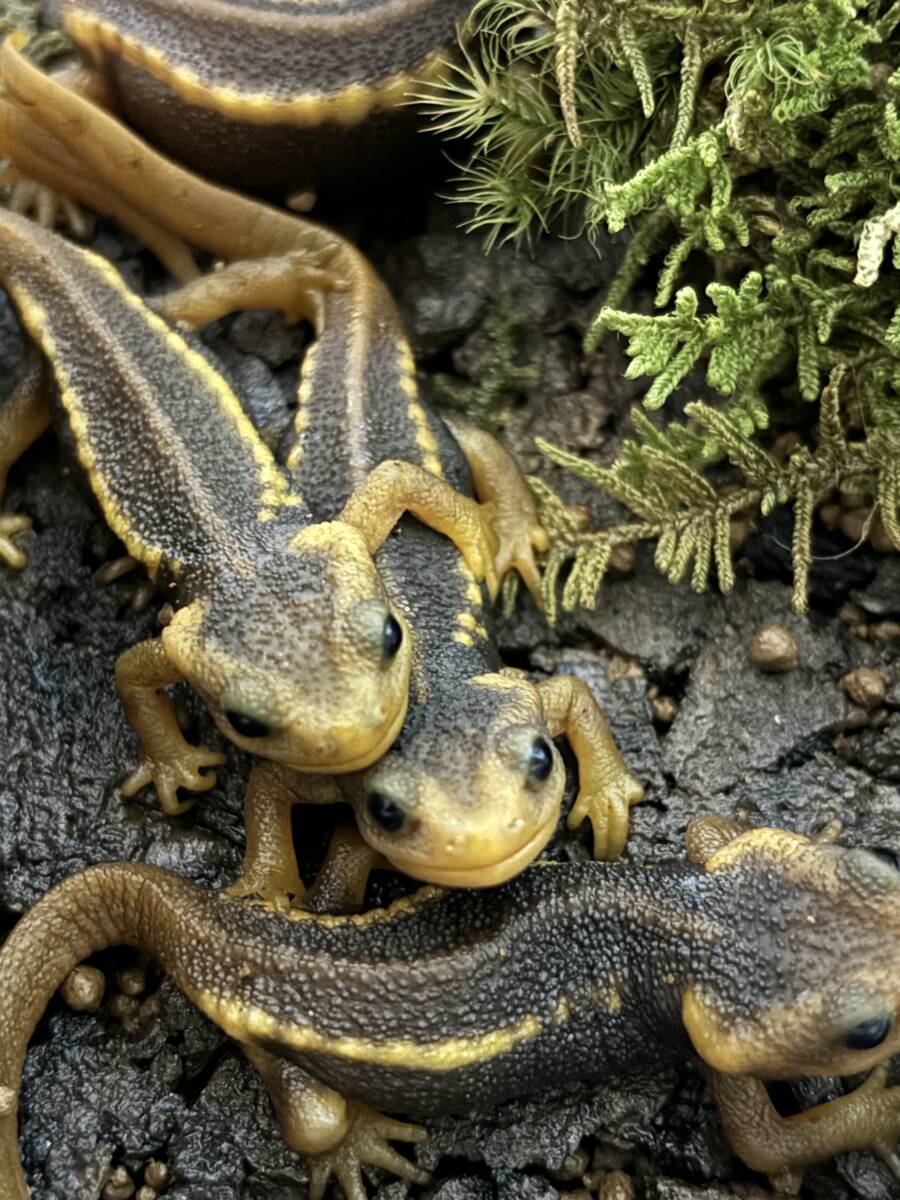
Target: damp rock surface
[(785, 749)]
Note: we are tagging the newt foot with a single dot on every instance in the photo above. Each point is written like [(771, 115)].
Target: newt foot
[(274, 890), (28, 198), (607, 805), (10, 553), (520, 538), (366, 1141), (168, 775)]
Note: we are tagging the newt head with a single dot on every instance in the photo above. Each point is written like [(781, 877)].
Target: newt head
[(470, 793), (301, 659), (802, 976)]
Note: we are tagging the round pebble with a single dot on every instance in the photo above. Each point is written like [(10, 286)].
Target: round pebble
[(774, 649), (83, 989), (865, 686)]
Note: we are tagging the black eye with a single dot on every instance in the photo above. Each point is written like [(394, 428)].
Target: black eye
[(889, 856), (540, 759), (246, 726), (392, 637), (386, 812), (869, 1033)]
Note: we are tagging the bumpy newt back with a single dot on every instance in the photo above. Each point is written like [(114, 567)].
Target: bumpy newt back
[(448, 999), (267, 95)]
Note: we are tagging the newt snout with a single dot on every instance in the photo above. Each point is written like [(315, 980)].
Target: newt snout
[(455, 813)]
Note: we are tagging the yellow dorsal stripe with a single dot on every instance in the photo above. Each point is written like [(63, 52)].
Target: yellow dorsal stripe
[(242, 1022), (274, 488), (35, 319), (346, 106)]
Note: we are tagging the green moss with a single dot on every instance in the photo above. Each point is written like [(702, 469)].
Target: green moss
[(757, 144)]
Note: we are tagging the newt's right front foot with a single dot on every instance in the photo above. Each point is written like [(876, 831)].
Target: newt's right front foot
[(10, 554), (184, 770)]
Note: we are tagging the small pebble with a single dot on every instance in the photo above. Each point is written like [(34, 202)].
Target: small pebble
[(617, 1186), (131, 980), (664, 708), (83, 989), (157, 1175), (852, 614), (573, 1166), (119, 1185), (621, 561), (830, 515), (150, 1008), (774, 649), (865, 686), (885, 631), (856, 524), (146, 1193)]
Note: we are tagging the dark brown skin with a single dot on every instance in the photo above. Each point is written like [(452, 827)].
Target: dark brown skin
[(574, 971), (281, 99), (471, 730), (188, 485)]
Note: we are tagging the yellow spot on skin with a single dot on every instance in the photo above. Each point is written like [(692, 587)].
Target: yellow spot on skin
[(464, 639), (473, 594), (449, 1054), (302, 418), (347, 106), (563, 1010), (481, 631), (466, 620)]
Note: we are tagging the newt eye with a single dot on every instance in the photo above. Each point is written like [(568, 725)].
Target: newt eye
[(246, 726), (392, 637), (869, 1033), (386, 812), (889, 856), (540, 759)]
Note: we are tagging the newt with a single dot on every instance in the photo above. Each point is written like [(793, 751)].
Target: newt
[(766, 956), (471, 792), (281, 623), (291, 99)]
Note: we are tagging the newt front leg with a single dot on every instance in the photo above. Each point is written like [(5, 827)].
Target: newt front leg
[(607, 789), (166, 759), (498, 481), (866, 1119)]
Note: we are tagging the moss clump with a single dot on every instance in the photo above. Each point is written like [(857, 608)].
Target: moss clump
[(752, 143)]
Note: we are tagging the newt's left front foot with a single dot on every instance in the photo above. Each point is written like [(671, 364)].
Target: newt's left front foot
[(607, 805), (366, 1141)]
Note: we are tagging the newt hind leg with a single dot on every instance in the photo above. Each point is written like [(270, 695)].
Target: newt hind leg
[(337, 1136), (23, 418)]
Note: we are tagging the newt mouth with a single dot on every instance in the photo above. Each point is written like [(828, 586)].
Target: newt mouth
[(482, 875), (344, 766)]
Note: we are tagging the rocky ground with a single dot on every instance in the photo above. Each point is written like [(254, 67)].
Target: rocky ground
[(147, 1080)]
